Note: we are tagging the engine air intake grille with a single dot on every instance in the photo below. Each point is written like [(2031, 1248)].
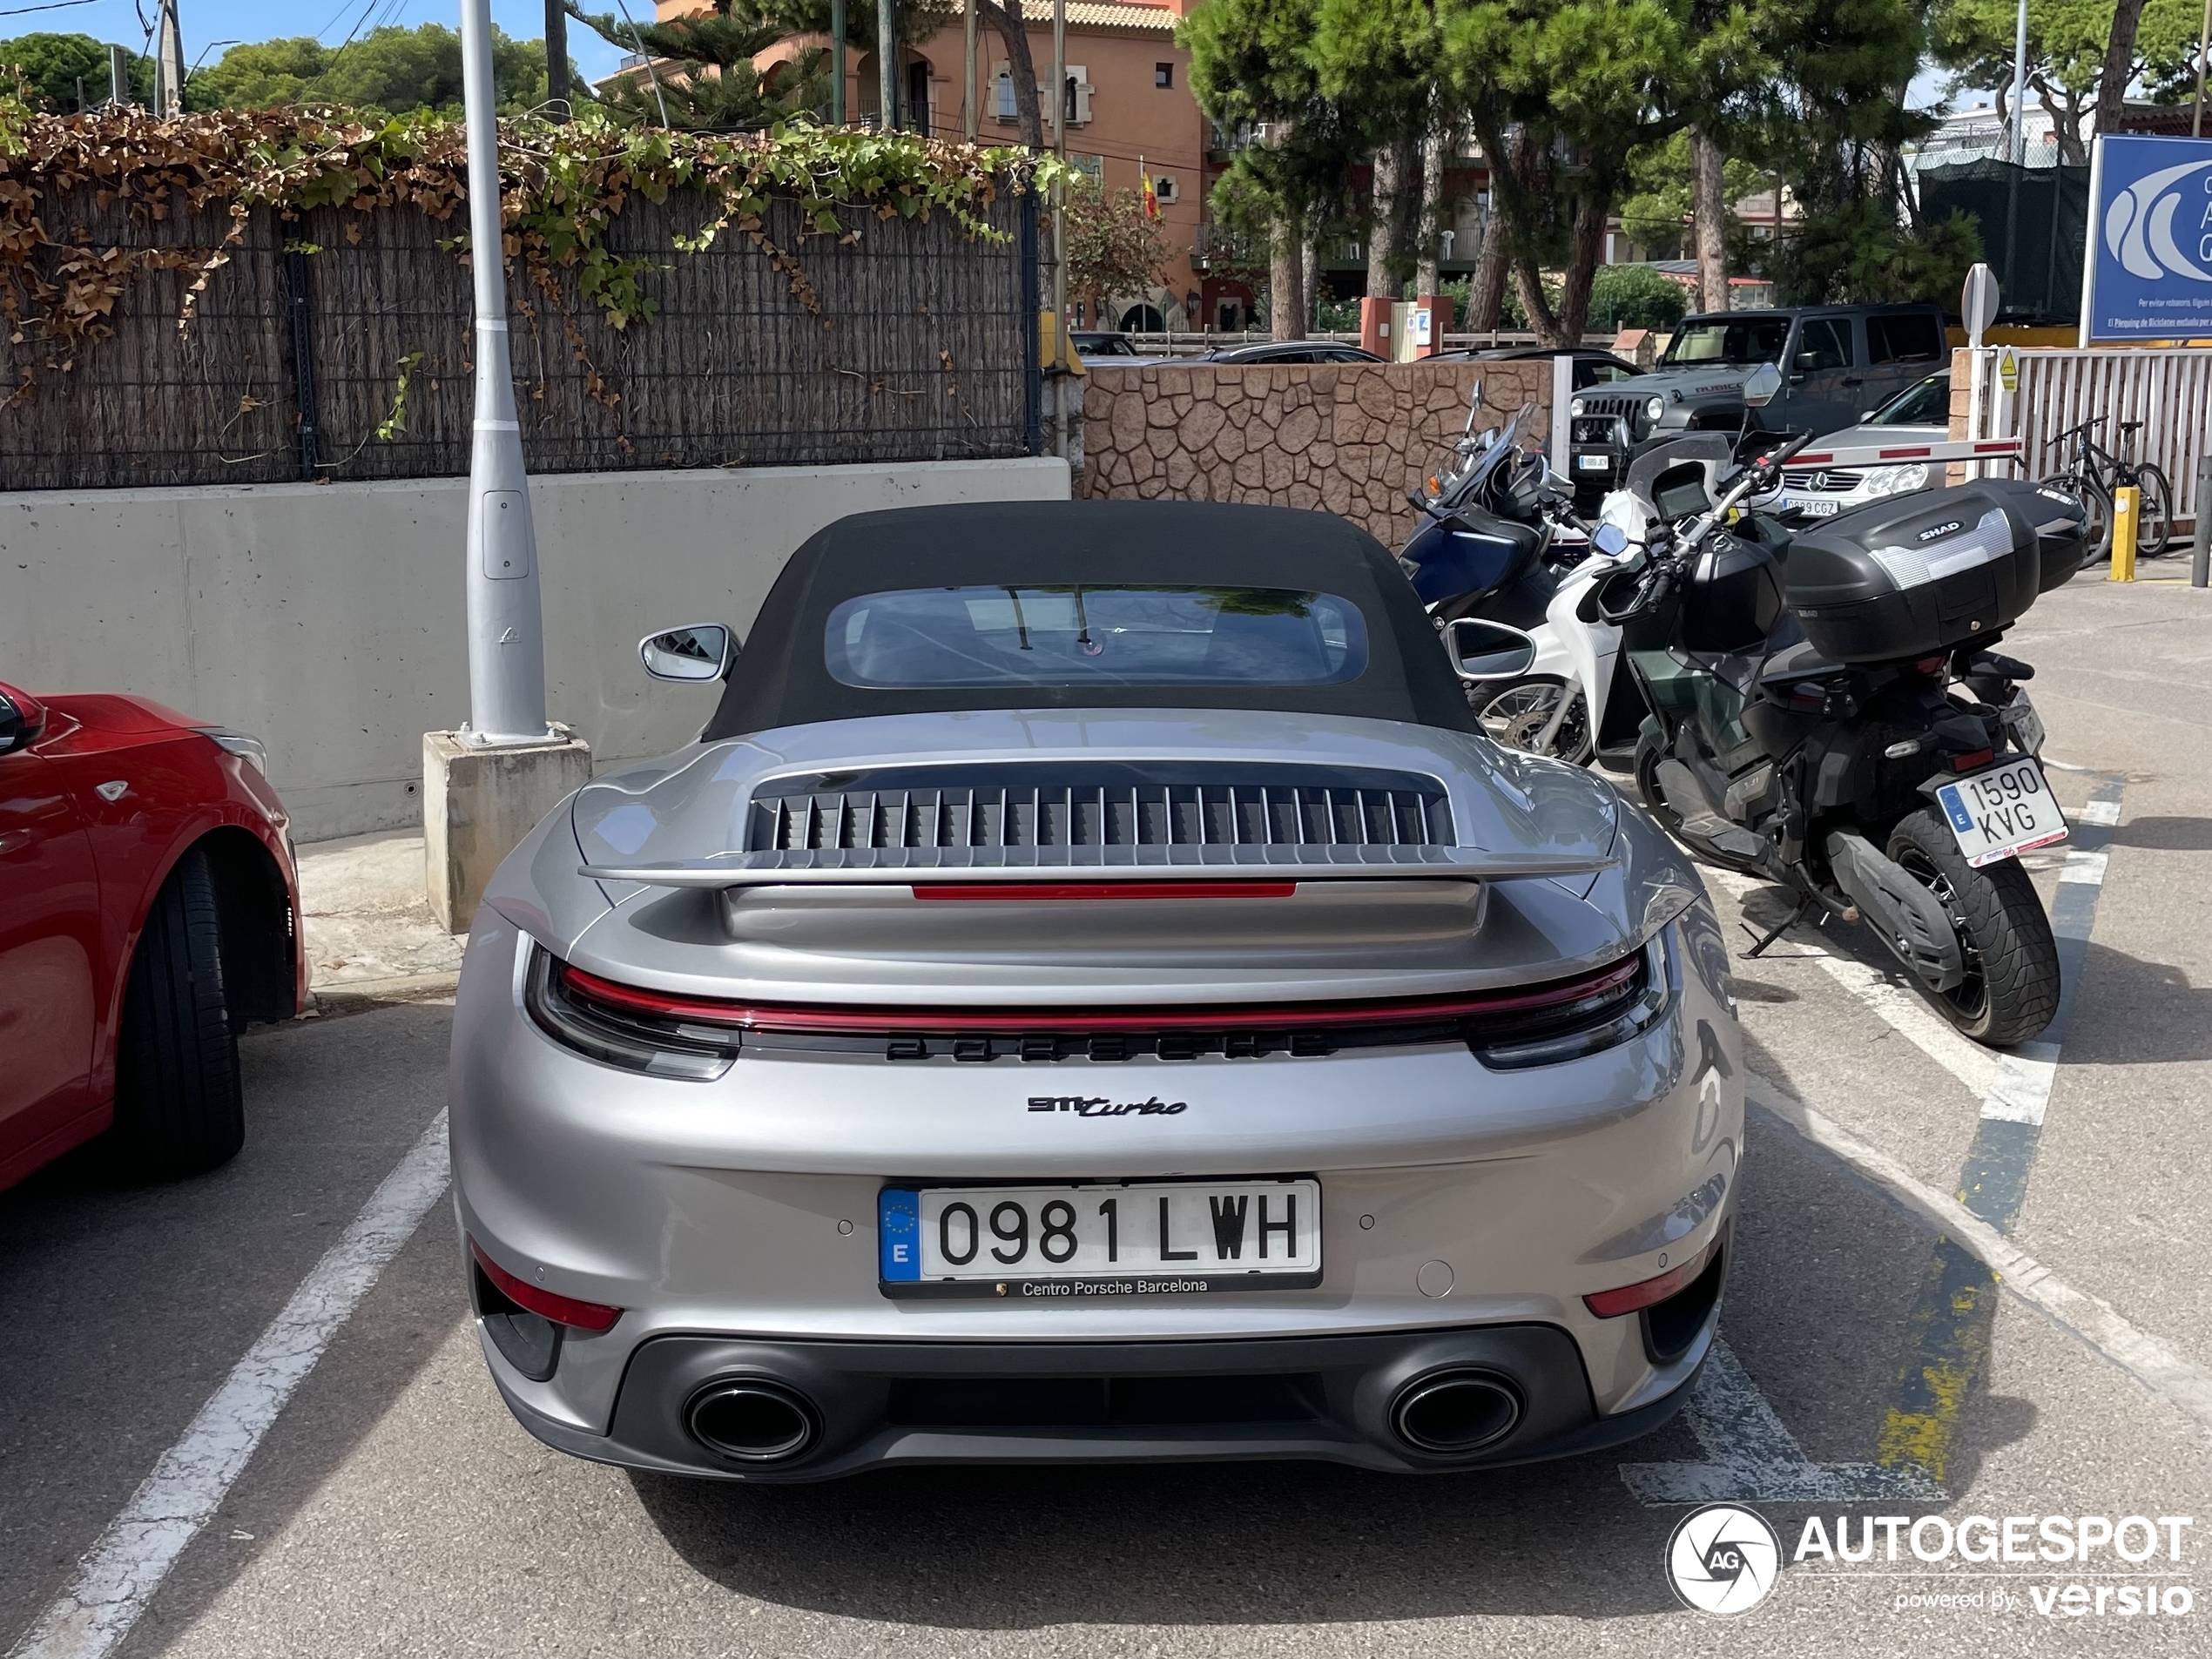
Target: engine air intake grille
[(1023, 810)]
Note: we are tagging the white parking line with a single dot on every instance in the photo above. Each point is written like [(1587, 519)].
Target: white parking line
[(1755, 1459), (121, 1572), (2147, 1357), (1898, 1006)]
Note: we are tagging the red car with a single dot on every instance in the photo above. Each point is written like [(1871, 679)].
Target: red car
[(148, 912)]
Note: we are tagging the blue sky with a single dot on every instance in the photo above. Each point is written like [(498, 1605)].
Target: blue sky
[(207, 22)]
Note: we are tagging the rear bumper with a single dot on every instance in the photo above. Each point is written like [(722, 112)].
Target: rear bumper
[(1330, 1398)]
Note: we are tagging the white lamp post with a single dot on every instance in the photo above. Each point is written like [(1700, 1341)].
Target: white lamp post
[(486, 786)]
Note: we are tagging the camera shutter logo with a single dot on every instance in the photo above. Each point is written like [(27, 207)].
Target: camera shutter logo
[(1723, 1560)]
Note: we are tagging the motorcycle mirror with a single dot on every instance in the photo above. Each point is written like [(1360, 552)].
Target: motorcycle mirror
[(1489, 651), (1610, 540), (1762, 386)]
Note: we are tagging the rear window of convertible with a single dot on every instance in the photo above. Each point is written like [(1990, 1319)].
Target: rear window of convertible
[(922, 638)]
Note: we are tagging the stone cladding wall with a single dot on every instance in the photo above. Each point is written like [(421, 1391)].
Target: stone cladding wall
[(1344, 438)]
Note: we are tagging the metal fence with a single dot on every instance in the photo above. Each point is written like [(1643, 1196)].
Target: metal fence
[(2169, 391), (338, 347)]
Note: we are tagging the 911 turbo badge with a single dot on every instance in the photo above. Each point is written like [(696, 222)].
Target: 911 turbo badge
[(1100, 1106)]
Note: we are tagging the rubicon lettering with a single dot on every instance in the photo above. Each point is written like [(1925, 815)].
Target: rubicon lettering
[(1100, 1106)]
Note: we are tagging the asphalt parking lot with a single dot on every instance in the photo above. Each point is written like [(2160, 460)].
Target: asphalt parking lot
[(1875, 1365)]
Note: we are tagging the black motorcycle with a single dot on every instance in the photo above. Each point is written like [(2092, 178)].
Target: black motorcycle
[(1828, 710)]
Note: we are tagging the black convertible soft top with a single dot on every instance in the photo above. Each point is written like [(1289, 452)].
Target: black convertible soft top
[(782, 678)]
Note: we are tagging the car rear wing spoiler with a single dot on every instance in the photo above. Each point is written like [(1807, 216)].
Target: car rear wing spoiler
[(836, 869)]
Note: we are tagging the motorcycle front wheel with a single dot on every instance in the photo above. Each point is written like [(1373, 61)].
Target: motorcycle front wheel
[(1515, 714), (2011, 985)]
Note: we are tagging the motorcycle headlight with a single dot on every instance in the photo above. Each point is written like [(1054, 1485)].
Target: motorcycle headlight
[(1656, 408), (1898, 480), (1577, 407)]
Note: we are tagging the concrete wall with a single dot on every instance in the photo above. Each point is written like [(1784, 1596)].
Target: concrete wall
[(327, 619), (1347, 438)]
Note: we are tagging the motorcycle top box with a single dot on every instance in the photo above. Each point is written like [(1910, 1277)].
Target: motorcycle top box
[(1919, 574)]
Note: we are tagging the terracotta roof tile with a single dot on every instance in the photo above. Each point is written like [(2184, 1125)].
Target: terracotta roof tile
[(1103, 14)]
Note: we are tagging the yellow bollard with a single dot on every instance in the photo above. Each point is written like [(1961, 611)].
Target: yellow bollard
[(2127, 503)]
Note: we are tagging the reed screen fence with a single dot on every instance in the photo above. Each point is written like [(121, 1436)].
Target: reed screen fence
[(338, 346)]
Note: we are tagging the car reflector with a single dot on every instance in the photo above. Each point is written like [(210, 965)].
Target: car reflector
[(1630, 1298), (561, 1310)]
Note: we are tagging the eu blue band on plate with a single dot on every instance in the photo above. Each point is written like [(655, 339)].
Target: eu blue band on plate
[(1961, 820), (899, 1230)]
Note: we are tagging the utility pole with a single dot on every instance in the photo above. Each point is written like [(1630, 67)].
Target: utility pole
[(837, 63), (886, 64), (169, 64), (118, 77), (486, 786), (967, 112), (1060, 229), (506, 647), (557, 61), (2203, 52), (2019, 91)]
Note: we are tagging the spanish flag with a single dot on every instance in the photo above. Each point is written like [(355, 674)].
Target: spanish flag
[(1144, 183)]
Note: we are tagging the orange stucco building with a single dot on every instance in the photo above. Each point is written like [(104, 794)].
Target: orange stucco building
[(1133, 114)]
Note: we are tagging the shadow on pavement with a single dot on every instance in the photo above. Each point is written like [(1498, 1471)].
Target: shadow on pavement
[(125, 1305)]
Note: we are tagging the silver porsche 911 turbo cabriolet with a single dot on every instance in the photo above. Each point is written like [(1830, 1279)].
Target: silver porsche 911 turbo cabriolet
[(1092, 992)]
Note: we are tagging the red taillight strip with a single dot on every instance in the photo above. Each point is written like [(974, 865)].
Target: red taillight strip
[(1002, 892), (1611, 1305), (1292, 1017), (561, 1310)]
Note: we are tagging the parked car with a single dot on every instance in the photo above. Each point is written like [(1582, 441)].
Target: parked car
[(1592, 366), (1290, 351), (1920, 414), (1836, 362), (1095, 346), (148, 911), (1092, 992)]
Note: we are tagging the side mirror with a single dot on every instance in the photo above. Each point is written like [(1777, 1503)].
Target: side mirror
[(22, 719), (1763, 386), (1489, 651), (701, 652), (1610, 540)]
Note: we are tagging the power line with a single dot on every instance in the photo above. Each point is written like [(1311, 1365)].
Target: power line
[(51, 5)]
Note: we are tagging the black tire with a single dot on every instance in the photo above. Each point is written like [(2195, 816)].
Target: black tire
[(2094, 496), (1513, 714), (2012, 985), (2153, 513), (178, 1107)]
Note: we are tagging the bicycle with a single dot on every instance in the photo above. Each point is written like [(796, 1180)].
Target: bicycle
[(2093, 473)]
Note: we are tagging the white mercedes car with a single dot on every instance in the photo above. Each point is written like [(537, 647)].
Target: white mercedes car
[(1092, 992)]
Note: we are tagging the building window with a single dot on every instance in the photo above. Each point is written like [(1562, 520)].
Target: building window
[(1163, 188), (1006, 109), (1163, 74)]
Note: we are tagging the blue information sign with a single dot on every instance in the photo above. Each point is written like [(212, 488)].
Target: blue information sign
[(2149, 274)]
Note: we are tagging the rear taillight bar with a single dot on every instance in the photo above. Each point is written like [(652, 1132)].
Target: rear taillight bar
[(852, 1021), (1031, 892)]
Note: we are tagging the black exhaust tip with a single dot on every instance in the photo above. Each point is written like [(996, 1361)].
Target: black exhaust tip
[(753, 1421), (1455, 1412)]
